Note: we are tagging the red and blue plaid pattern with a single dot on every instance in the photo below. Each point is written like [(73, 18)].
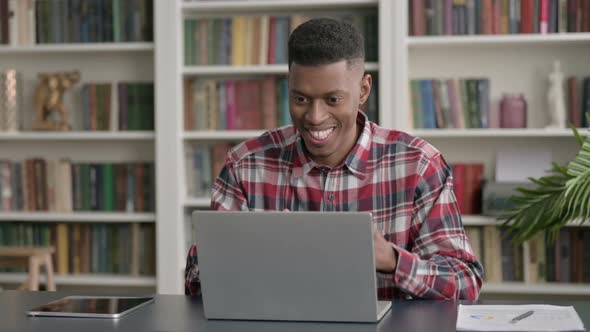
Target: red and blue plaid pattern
[(401, 179)]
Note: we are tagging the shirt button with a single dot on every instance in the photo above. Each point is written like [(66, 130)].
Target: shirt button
[(331, 197)]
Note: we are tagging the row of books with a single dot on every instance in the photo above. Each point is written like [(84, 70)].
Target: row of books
[(26, 22), (63, 186), (220, 104), (493, 17), (450, 103), (578, 100), (236, 104), (565, 259), (128, 249), (203, 165), (11, 99), (132, 108), (256, 40)]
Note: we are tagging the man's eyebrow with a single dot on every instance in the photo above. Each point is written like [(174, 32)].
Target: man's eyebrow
[(329, 93)]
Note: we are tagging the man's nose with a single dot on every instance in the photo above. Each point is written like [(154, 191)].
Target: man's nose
[(316, 113)]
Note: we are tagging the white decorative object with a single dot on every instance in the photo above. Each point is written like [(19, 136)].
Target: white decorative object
[(555, 98)]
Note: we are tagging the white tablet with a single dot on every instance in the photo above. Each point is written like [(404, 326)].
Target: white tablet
[(91, 306)]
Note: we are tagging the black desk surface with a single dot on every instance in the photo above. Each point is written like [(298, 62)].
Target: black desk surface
[(175, 313)]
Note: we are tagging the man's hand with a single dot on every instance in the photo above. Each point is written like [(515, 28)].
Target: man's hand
[(385, 258)]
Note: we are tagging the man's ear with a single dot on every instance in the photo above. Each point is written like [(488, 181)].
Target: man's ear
[(366, 83)]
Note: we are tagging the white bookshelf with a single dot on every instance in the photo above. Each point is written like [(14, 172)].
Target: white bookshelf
[(197, 202), (78, 217), (524, 40), (265, 5), (522, 288), (477, 220), (104, 280), (78, 136), (222, 135), (480, 220), (97, 62), (79, 48), (495, 133), (251, 70), (515, 64), (172, 202)]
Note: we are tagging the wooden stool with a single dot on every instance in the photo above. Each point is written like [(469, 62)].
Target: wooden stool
[(34, 258)]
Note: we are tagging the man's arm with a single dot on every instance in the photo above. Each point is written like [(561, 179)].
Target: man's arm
[(227, 193), (440, 263)]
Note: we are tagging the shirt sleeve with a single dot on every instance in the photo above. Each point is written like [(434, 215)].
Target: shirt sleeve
[(227, 193), (192, 284), (440, 263)]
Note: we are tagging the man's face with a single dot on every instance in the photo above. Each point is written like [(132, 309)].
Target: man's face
[(324, 102)]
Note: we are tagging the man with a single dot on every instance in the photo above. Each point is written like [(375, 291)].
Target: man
[(334, 159)]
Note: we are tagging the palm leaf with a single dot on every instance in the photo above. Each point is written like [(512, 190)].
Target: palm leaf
[(559, 198)]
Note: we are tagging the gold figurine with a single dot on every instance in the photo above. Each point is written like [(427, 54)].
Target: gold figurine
[(50, 112)]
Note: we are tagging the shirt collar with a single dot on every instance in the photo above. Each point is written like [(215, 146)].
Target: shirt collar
[(356, 161)]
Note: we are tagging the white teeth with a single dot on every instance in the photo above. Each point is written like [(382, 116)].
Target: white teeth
[(321, 134)]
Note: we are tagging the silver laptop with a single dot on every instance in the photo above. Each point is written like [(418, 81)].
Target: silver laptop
[(296, 266)]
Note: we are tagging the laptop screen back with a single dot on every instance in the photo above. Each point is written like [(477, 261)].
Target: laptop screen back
[(307, 266)]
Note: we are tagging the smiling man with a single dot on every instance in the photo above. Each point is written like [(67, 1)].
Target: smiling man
[(334, 159)]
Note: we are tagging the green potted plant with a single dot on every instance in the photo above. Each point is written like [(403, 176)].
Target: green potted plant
[(559, 198)]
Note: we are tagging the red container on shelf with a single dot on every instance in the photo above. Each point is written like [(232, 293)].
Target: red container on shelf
[(513, 109)]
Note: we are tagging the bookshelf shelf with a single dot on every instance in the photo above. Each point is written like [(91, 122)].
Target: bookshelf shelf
[(84, 217), (259, 6), (78, 136), (79, 48), (475, 220), (541, 288), (86, 280), (559, 39), (197, 202), (495, 133), (249, 70), (225, 135), (478, 220)]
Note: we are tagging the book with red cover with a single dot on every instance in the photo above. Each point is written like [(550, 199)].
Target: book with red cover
[(417, 14), (249, 110), (272, 44), (544, 17), (526, 16), (459, 185), (473, 188), (231, 105), (269, 103), (573, 102), (486, 17)]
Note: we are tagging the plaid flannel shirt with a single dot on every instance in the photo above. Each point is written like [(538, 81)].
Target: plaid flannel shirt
[(401, 179)]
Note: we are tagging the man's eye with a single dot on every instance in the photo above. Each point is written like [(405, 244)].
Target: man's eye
[(299, 99), (334, 100)]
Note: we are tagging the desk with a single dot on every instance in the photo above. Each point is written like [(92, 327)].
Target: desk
[(179, 313)]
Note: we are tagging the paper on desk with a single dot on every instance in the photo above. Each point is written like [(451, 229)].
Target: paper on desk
[(497, 318)]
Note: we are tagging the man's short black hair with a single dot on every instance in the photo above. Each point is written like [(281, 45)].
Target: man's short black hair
[(322, 41)]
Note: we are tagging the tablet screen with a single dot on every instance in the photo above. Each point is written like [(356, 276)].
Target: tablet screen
[(81, 306)]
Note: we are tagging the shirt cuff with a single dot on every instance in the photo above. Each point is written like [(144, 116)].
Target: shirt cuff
[(403, 267)]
